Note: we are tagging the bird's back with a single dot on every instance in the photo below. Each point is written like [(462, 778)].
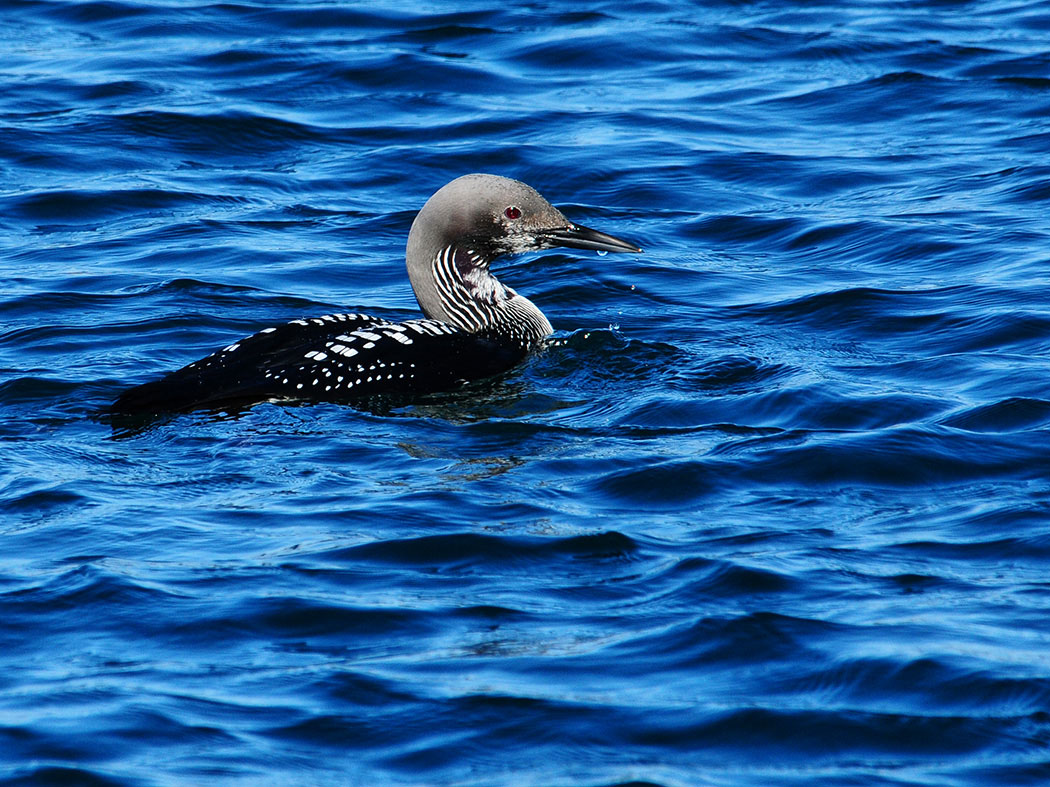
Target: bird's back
[(337, 357)]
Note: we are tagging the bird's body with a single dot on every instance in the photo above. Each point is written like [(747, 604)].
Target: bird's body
[(475, 327)]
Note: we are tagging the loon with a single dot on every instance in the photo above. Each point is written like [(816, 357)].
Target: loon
[(474, 326)]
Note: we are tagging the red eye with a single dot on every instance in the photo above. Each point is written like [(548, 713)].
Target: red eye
[(512, 213)]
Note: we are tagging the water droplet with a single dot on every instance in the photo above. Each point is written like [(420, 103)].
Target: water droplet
[(602, 253)]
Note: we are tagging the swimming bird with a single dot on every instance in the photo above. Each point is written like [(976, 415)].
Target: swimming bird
[(474, 326)]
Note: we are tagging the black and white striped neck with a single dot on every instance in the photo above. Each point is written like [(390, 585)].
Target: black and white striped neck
[(475, 301)]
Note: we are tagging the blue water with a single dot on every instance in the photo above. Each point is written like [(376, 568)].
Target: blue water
[(776, 510)]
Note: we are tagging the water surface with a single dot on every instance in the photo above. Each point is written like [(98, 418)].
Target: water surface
[(776, 509)]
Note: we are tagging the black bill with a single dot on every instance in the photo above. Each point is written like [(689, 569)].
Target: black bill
[(578, 237)]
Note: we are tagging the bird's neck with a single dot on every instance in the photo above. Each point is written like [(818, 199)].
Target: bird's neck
[(461, 290)]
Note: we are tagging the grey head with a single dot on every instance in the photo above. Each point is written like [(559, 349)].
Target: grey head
[(470, 222)]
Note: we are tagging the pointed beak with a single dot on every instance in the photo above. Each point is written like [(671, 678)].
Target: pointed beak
[(576, 236)]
